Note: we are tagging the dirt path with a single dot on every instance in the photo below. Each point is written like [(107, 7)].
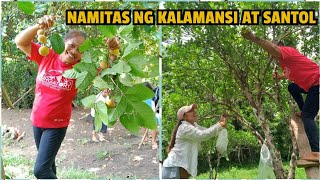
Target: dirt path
[(123, 159)]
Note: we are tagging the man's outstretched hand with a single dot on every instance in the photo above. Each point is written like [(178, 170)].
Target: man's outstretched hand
[(248, 34)]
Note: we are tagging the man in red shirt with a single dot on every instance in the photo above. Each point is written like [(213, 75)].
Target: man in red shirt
[(305, 75)]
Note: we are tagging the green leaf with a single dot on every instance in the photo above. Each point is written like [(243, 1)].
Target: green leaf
[(110, 124), (85, 45), (97, 123), (84, 79), (26, 7), (101, 84), (121, 67), (130, 48), (144, 114), (116, 112), (150, 5), (147, 28), (108, 71), (89, 67), (41, 8), (70, 73), (95, 54), (108, 30), (137, 61), (126, 79), (130, 123), (153, 66), (125, 32), (57, 43), (87, 58), (135, 32), (101, 112), (139, 93), (97, 41), (89, 101)]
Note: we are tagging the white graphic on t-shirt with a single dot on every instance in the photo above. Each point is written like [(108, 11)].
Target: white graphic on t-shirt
[(55, 80)]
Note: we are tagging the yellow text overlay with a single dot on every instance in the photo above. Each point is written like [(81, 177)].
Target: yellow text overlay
[(98, 17), (289, 17), (191, 17), (197, 17)]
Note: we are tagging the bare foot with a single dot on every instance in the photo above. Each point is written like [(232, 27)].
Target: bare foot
[(101, 137), (94, 139)]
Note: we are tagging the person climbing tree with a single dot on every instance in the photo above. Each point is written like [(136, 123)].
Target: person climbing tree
[(304, 74)]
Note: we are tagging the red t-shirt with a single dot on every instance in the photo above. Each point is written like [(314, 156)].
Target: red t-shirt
[(299, 68), (53, 94)]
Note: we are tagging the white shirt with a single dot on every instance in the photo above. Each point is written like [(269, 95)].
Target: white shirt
[(185, 151), (99, 98)]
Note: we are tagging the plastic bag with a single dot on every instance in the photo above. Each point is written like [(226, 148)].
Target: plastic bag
[(265, 170), (222, 142)]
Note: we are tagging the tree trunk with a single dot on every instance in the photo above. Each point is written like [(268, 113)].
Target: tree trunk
[(6, 96), (278, 168), (3, 175), (210, 166), (303, 145)]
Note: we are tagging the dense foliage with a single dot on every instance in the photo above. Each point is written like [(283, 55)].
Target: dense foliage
[(218, 69), (137, 61)]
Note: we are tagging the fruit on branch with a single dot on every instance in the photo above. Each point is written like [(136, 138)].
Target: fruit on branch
[(43, 50), (113, 57), (40, 32), (111, 103), (104, 65), (114, 51), (42, 39), (112, 43)]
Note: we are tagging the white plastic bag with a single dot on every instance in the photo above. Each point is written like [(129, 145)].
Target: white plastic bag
[(265, 170), (222, 142)]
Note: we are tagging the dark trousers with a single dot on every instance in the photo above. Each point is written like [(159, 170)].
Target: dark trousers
[(309, 109), (48, 142), (104, 127)]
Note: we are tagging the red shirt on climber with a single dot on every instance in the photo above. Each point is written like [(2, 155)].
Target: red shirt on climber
[(299, 68)]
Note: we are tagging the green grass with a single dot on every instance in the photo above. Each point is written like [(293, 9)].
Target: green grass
[(245, 172), (13, 160), (75, 173), (17, 166), (84, 141), (23, 168), (102, 154)]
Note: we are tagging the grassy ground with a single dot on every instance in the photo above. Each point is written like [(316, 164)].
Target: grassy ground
[(246, 172), (20, 167)]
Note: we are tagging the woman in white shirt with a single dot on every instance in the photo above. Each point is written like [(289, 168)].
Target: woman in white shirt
[(182, 160), (104, 97)]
